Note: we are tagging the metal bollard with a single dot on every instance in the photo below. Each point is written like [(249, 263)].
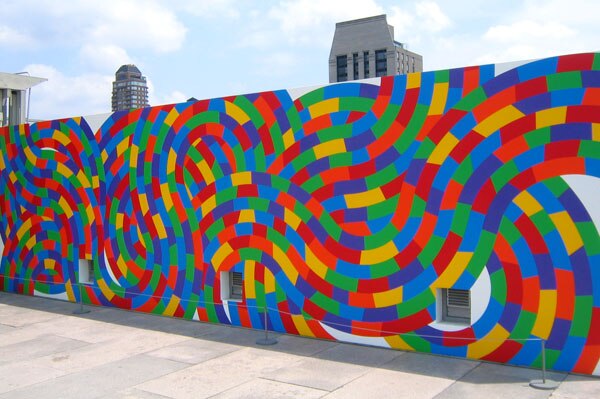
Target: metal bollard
[(543, 383), (266, 340), (80, 310)]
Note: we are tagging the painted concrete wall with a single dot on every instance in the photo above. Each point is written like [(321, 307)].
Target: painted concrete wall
[(347, 208)]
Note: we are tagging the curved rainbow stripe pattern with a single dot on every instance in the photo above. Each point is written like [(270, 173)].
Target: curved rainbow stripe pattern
[(346, 208)]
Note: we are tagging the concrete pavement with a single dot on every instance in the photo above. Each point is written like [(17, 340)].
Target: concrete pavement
[(47, 351)]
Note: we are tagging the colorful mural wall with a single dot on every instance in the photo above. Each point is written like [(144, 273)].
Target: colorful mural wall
[(347, 209)]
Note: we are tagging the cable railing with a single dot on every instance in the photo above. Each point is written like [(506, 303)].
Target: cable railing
[(543, 383)]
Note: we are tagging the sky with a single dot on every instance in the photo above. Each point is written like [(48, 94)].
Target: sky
[(213, 48)]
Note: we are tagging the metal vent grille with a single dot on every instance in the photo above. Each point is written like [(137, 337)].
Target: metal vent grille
[(237, 282), (459, 298)]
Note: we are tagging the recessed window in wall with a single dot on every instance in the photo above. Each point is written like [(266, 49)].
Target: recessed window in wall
[(355, 65), (342, 68), (232, 284), (86, 271), (366, 63), (380, 63), (456, 305)]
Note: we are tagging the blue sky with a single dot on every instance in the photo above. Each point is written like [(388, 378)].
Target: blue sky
[(211, 48)]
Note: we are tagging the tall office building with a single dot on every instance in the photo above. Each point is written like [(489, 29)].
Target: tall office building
[(365, 48), (129, 89)]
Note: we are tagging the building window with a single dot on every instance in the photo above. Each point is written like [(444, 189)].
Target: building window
[(342, 68), (380, 63), (86, 271), (232, 284), (355, 65), (366, 63), (456, 305)]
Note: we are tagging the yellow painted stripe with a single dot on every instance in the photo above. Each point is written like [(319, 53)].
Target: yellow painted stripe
[(366, 198), (65, 207), (438, 99), (497, 120), (122, 266), (71, 294), (567, 230), (172, 306), (315, 264), (488, 343), (288, 139), (249, 283), (133, 157), (288, 269), (379, 254), (206, 172), (166, 196), (455, 268), (236, 113), (550, 117), (545, 314), (119, 221), (237, 179), (159, 226), (443, 149), (413, 80), (324, 107), (396, 342), (596, 131), (107, 292), (221, 254), (291, 219), (173, 114), (528, 203), (144, 207), (302, 326), (388, 298), (122, 146), (269, 281), (171, 161), (329, 148), (208, 205), (247, 216)]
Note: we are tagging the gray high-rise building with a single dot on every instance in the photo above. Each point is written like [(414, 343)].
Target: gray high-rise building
[(365, 48), (129, 89)]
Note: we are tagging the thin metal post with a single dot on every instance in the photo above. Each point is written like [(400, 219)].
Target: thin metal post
[(266, 340), (543, 383), (81, 310)]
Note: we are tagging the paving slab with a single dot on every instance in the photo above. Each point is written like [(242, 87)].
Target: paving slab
[(301, 346), (99, 381), (320, 374), (218, 375), (382, 383), (420, 364), (578, 386), (260, 388), (133, 393), (193, 350), (38, 347), (494, 381), (359, 355), (15, 376)]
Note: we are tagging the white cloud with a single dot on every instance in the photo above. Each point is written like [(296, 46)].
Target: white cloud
[(212, 9), (526, 30), (311, 21), (63, 95), (431, 16), (104, 57), (130, 24), (13, 38)]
